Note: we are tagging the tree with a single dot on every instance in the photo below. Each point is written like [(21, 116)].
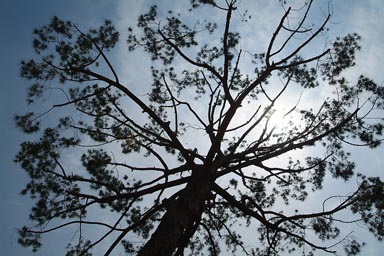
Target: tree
[(139, 158)]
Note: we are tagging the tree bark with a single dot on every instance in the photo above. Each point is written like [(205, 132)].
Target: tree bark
[(178, 219)]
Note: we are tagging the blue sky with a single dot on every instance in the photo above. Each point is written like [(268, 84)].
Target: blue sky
[(18, 18)]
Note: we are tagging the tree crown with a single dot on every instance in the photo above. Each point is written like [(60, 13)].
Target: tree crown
[(196, 157)]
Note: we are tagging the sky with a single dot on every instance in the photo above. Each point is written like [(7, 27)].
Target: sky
[(19, 17)]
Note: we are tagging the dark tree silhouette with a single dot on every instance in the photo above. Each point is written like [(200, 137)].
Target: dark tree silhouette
[(184, 166)]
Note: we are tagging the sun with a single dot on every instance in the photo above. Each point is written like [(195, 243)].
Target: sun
[(281, 117)]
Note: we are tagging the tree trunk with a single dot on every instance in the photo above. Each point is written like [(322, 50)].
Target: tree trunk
[(180, 216)]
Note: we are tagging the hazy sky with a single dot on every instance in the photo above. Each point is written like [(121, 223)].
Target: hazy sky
[(18, 18)]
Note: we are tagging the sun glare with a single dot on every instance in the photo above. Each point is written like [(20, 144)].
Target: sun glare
[(282, 117)]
